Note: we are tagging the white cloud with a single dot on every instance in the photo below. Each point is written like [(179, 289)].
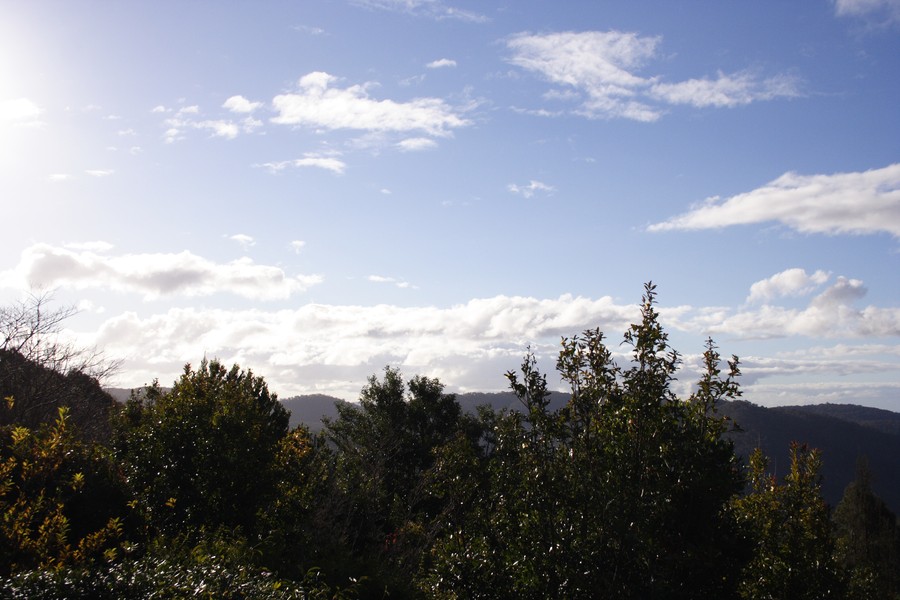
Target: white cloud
[(530, 189), (416, 144), (441, 63), (189, 110), (128, 131), (99, 172), (601, 68), (225, 129), (852, 203), (153, 275), (20, 111), (239, 104), (317, 104), (59, 176), (329, 162), (831, 314), (434, 9), (792, 282), (244, 240), (159, 109), (297, 246)]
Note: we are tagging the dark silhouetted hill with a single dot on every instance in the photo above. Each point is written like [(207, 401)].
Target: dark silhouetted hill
[(841, 440), (38, 392)]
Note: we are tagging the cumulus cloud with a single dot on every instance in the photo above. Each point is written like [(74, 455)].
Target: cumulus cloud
[(152, 275), (434, 9), (441, 63), (530, 188), (792, 282), (329, 162), (319, 104), (601, 71), (830, 314), (239, 104), (297, 246), (843, 203)]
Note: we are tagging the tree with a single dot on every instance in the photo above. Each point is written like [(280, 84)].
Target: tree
[(793, 554), (868, 539), (622, 493), (205, 453), (380, 505), (30, 328)]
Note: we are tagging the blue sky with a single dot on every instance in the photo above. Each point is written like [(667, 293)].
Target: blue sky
[(316, 190)]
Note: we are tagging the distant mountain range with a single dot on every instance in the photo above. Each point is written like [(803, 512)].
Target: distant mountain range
[(843, 432)]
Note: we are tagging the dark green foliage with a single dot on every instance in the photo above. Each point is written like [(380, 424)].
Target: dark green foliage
[(380, 507), (203, 454), (623, 493), (868, 540), (793, 556), (164, 577)]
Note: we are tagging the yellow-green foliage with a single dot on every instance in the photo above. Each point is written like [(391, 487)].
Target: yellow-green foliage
[(41, 473)]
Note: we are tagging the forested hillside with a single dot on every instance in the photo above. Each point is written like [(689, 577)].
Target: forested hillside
[(618, 489)]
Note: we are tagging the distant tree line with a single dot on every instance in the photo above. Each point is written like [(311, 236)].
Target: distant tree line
[(627, 491)]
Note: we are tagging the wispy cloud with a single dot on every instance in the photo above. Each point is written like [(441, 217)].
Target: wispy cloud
[(400, 283), (100, 172), (297, 246), (309, 29), (318, 104), (152, 275), (433, 9), (530, 189), (416, 144), (843, 203), (886, 10), (329, 162), (602, 69)]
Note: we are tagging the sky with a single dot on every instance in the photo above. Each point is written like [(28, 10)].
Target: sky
[(316, 190)]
